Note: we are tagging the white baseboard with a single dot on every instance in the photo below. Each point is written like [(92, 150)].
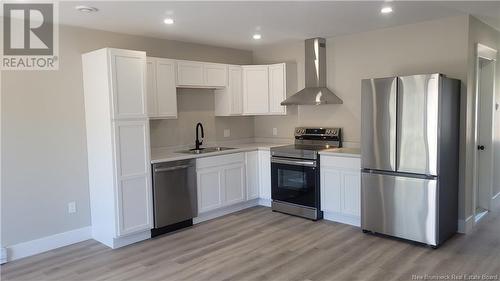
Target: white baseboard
[(465, 226), (131, 239), (225, 211), (48, 243), (342, 218), (265, 202), (3, 257)]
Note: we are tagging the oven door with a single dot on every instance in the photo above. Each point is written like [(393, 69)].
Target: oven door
[(294, 181)]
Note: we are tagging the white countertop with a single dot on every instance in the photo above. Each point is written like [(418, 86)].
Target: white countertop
[(159, 155), (342, 152)]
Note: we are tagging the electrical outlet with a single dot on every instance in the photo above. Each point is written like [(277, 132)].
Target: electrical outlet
[(72, 207), (275, 131), (227, 133)]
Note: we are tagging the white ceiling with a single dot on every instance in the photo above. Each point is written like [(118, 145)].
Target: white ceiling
[(231, 24)]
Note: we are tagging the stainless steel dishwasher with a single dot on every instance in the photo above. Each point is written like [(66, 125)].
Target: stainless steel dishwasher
[(174, 195)]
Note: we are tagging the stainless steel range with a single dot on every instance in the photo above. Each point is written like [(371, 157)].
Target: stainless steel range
[(295, 176)]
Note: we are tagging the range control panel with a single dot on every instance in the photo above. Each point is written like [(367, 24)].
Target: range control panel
[(317, 132)]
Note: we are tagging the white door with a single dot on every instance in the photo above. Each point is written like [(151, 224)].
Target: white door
[(210, 189), (331, 190), (128, 72), (235, 87), (252, 174), (190, 73), (277, 88), (234, 184), (215, 74), (166, 92), (151, 87), (485, 134), (265, 175), (133, 168), (255, 89)]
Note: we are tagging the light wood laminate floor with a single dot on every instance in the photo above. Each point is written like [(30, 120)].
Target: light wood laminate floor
[(257, 244)]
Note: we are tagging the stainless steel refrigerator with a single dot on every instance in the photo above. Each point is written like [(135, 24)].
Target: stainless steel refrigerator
[(409, 152)]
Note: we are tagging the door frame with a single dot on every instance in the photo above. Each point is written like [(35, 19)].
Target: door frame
[(488, 53)]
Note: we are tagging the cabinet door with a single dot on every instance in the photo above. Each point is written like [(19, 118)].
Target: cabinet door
[(331, 190), (190, 73), (151, 87), (255, 89), (351, 192), (166, 92), (277, 88), (265, 174), (215, 74), (234, 184), (252, 174), (128, 75), (133, 196), (235, 87), (210, 189)]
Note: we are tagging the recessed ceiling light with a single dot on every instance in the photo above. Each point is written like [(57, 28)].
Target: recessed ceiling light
[(257, 36), (168, 21), (86, 9), (386, 10)]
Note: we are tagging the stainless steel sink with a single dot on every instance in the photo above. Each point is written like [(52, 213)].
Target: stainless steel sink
[(205, 150)]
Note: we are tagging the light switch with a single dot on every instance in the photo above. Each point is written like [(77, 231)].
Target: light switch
[(227, 133), (275, 131)]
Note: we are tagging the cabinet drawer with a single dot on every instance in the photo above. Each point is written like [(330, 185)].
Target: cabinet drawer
[(220, 160), (341, 162)]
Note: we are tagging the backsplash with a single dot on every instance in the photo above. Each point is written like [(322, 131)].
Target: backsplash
[(197, 105)]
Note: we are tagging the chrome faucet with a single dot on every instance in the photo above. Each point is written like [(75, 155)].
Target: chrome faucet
[(198, 143)]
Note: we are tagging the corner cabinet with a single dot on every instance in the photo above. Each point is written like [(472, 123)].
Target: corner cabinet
[(221, 181), (161, 90), (118, 145), (229, 101), (341, 189)]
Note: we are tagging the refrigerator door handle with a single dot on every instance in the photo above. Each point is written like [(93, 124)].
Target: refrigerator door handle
[(399, 174)]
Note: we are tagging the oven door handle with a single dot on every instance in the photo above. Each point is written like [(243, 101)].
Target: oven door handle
[(293, 162)]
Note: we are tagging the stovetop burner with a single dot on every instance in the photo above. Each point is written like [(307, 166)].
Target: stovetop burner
[(308, 142)]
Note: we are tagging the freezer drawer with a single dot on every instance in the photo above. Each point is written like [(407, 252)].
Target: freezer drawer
[(399, 206), (378, 123)]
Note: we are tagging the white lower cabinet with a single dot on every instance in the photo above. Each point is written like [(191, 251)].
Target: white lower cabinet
[(252, 174), (221, 181), (341, 189)]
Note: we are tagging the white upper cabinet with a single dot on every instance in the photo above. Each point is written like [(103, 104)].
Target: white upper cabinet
[(277, 88), (190, 73), (215, 75), (255, 89), (128, 80), (264, 88), (229, 101), (161, 90), (201, 75)]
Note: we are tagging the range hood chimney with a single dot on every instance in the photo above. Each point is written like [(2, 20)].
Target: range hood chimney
[(315, 92)]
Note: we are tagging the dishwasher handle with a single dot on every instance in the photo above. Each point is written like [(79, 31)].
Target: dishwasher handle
[(168, 169)]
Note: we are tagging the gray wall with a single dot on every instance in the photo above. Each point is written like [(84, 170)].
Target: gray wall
[(43, 131), (427, 47)]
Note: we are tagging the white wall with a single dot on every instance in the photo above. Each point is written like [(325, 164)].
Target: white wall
[(43, 132), (427, 47)]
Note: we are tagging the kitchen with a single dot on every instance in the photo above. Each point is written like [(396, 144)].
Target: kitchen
[(349, 59)]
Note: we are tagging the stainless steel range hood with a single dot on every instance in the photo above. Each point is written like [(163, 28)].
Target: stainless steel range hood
[(315, 92)]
